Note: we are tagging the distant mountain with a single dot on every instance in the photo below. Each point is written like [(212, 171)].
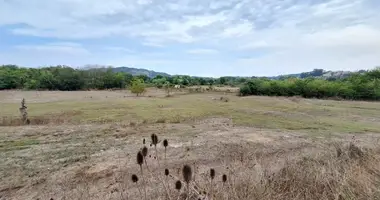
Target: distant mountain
[(133, 71), (316, 73), (136, 71), (319, 73)]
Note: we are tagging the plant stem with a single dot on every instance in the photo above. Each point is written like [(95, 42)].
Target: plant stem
[(142, 175)]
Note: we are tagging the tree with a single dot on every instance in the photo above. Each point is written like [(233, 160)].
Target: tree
[(137, 86), (168, 87)]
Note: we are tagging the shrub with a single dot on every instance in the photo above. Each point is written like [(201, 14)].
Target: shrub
[(137, 87), (358, 86)]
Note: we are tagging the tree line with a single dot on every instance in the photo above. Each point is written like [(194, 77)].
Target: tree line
[(357, 86), (364, 85), (67, 78)]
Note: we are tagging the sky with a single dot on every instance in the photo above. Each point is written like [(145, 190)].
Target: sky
[(195, 37)]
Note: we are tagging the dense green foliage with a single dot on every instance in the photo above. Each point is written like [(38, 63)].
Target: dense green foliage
[(365, 86), (137, 86), (66, 78), (60, 78)]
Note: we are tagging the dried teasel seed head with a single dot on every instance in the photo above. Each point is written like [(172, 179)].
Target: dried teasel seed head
[(178, 185), (187, 173), (144, 141), (135, 178), (212, 173), (165, 143), (224, 178), (140, 158), (154, 139), (166, 172), (144, 151)]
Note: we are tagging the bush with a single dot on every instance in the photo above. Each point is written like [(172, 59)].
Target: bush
[(137, 87), (361, 87)]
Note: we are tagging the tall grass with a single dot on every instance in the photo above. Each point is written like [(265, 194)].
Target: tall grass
[(346, 172)]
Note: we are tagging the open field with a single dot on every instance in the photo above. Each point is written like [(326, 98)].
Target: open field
[(83, 145)]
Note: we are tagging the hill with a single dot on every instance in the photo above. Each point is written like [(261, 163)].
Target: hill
[(130, 70), (316, 73), (319, 73)]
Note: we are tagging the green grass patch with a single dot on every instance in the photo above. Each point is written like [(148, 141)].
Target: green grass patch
[(264, 112)]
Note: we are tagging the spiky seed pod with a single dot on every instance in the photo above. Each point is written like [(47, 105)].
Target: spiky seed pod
[(140, 158), (135, 178), (178, 185), (154, 139), (212, 173), (165, 143), (144, 141), (166, 172), (224, 178), (187, 173), (144, 151)]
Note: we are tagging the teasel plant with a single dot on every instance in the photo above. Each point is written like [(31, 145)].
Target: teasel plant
[(135, 180), (187, 175), (155, 142), (144, 152), (140, 161), (212, 176), (178, 187), (224, 180), (166, 144)]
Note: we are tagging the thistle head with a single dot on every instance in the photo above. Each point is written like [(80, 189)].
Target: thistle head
[(178, 185), (165, 142), (140, 158), (212, 173), (186, 173), (224, 178), (134, 178), (144, 151), (154, 139)]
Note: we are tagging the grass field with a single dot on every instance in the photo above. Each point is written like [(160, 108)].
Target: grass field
[(83, 145)]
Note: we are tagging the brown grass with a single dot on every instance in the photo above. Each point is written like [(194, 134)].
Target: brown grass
[(269, 148), (353, 175)]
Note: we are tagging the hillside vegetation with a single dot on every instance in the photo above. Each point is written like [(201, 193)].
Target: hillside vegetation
[(361, 85), (129, 70), (364, 86)]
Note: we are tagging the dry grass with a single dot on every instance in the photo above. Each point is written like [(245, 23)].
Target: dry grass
[(351, 174), (269, 148), (265, 112)]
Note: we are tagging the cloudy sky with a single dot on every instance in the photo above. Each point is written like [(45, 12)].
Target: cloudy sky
[(197, 37)]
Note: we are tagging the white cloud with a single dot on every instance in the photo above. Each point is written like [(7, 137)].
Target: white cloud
[(202, 51), (59, 47), (152, 44), (118, 49), (256, 36)]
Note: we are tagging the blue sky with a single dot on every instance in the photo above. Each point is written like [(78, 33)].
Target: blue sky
[(196, 37)]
